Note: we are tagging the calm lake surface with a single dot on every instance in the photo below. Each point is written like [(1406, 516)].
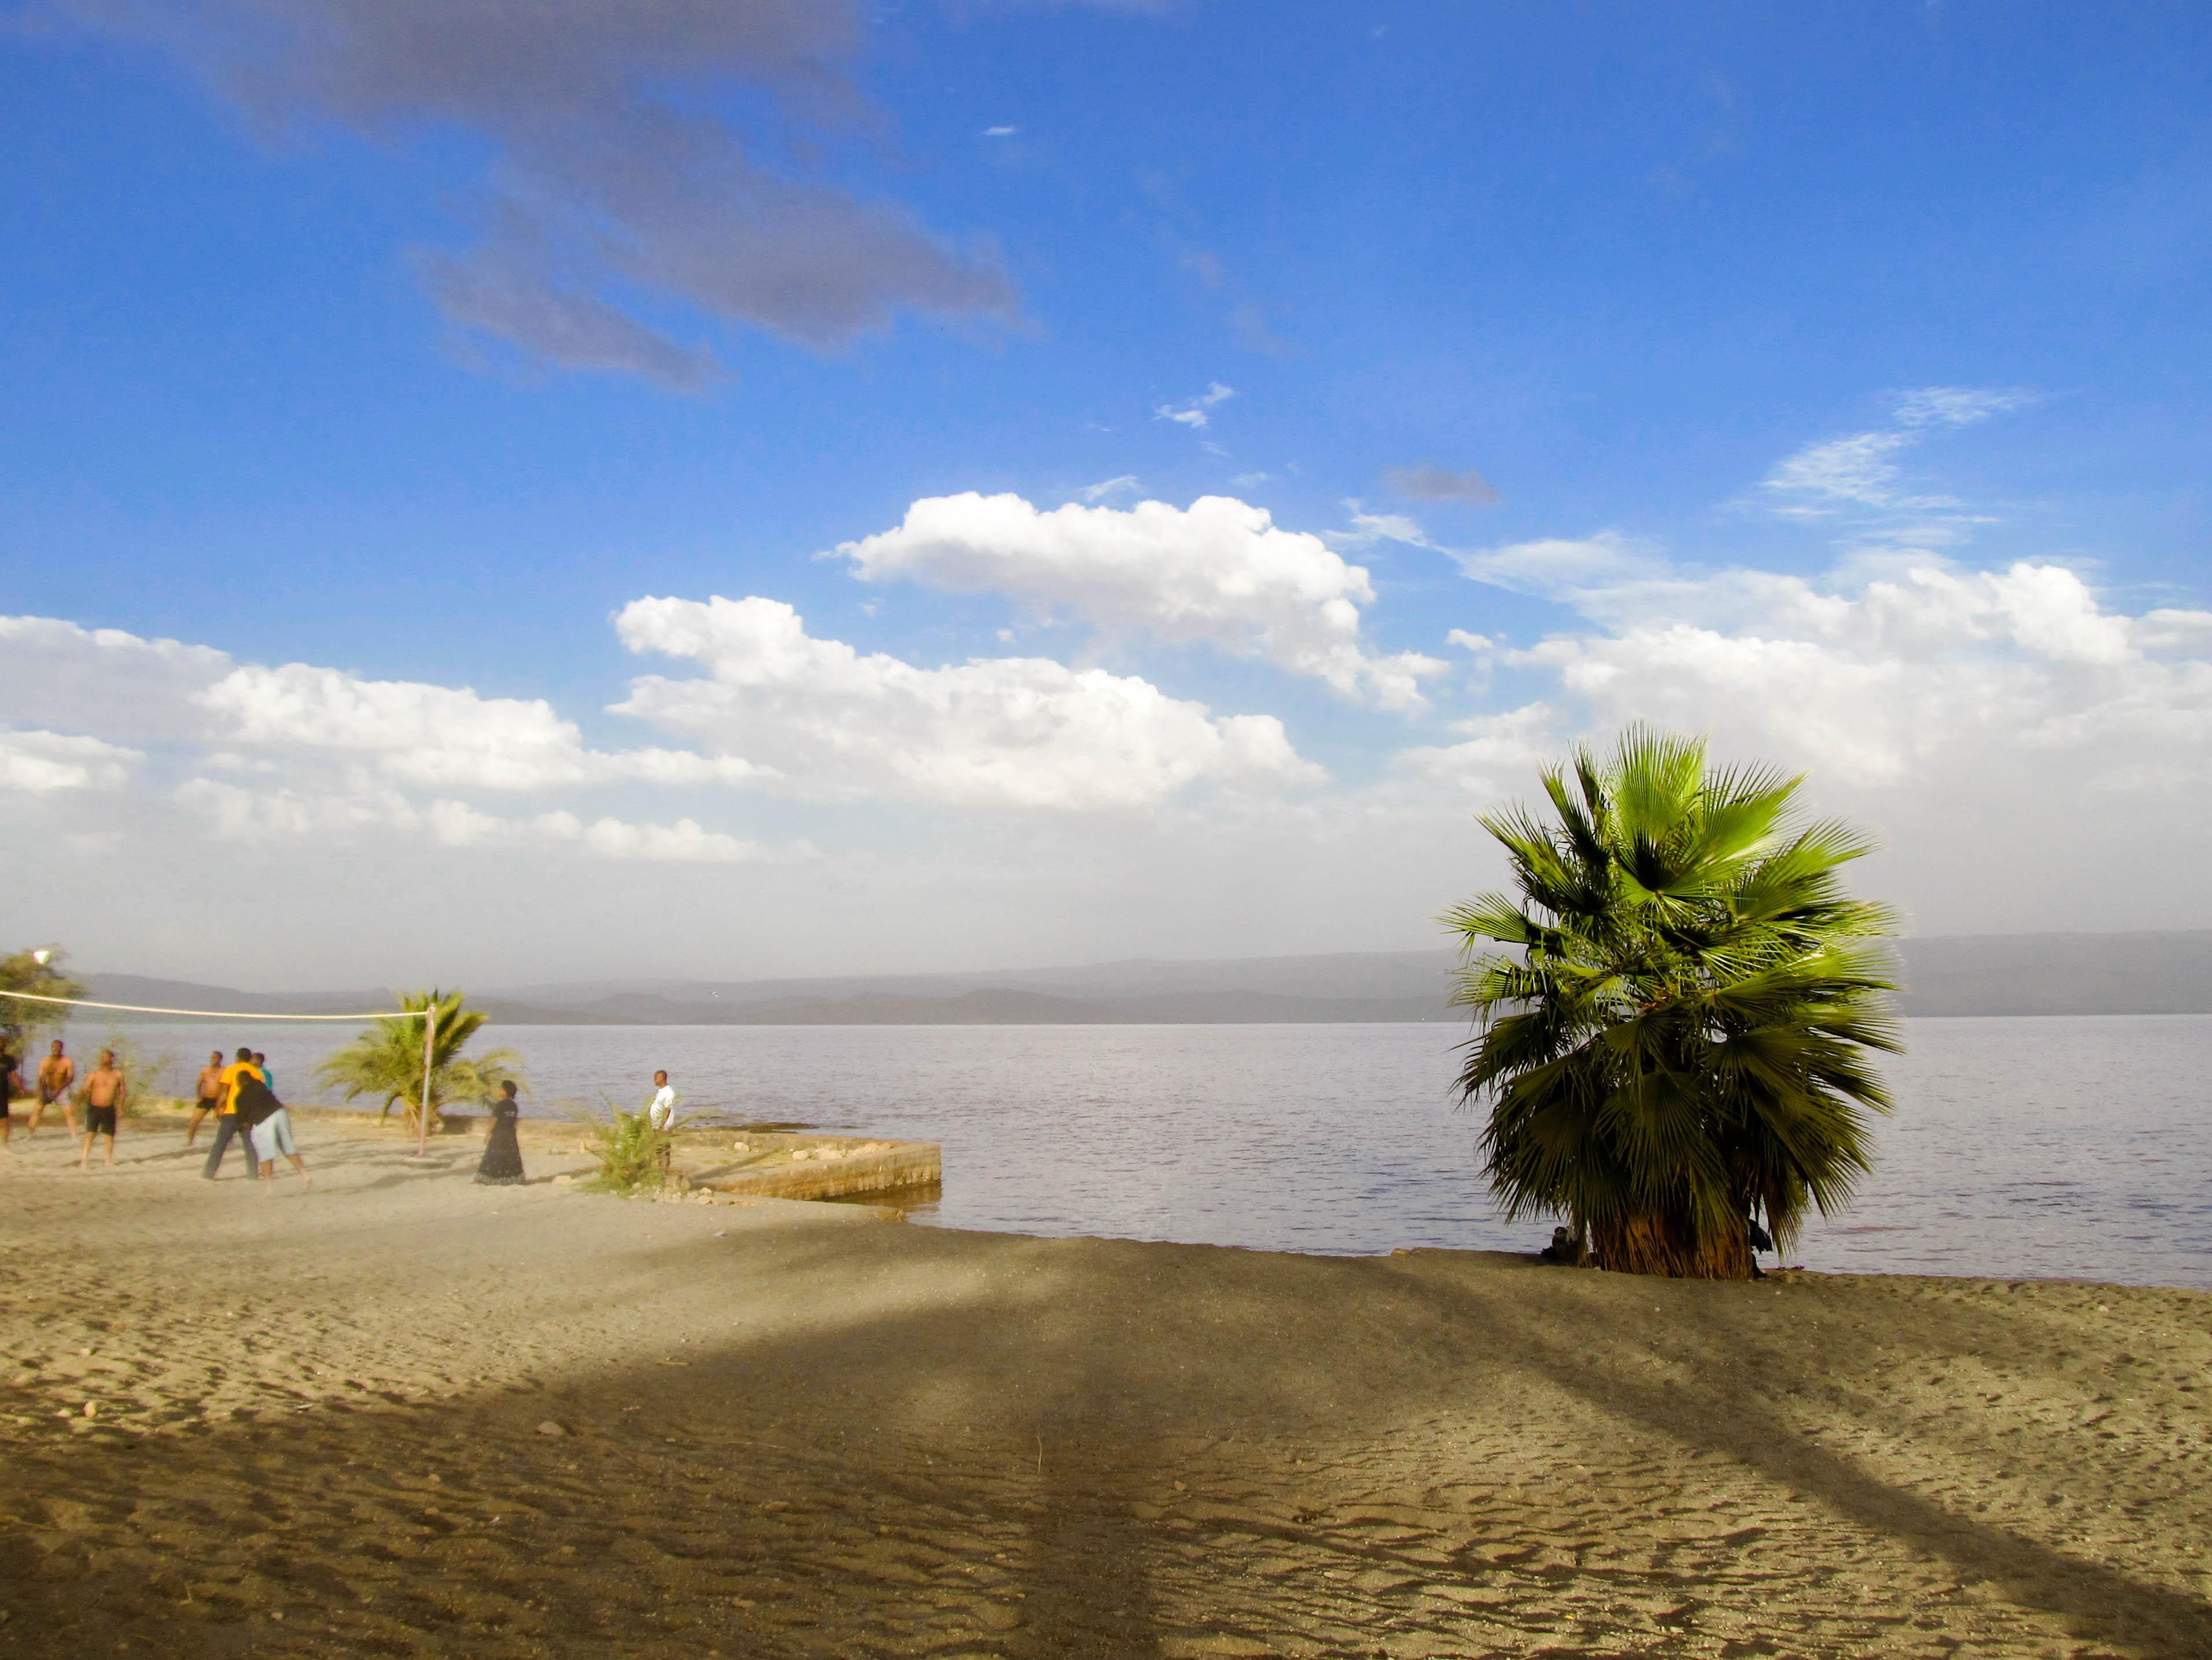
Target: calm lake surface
[(2055, 1147)]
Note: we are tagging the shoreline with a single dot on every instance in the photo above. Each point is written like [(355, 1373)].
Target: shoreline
[(784, 1428), (2002, 1162), (549, 1142)]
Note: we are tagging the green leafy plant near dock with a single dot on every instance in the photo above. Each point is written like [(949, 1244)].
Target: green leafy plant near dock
[(631, 1155)]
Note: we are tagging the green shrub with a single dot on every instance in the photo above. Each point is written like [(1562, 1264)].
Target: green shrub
[(631, 1155)]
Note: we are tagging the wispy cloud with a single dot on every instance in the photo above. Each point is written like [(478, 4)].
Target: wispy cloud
[(1559, 566), (1125, 485), (1368, 528), (1860, 479), (1000, 132), (1193, 412), (1858, 471), (1959, 406)]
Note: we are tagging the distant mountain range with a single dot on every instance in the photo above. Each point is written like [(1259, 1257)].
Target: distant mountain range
[(1980, 975)]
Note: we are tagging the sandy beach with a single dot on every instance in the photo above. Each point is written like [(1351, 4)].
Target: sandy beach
[(401, 1414)]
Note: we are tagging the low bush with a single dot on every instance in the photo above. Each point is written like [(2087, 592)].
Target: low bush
[(631, 1155)]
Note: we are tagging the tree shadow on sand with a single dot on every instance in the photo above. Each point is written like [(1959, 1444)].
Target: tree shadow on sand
[(2098, 1602), (845, 1438)]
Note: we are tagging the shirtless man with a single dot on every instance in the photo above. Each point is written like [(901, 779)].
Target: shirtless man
[(55, 1073), (104, 1093), (208, 1089)]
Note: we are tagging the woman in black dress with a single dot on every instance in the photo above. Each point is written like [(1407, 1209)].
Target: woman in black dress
[(502, 1155)]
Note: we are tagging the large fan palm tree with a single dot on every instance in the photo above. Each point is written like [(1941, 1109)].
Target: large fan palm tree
[(385, 1061), (1676, 1034)]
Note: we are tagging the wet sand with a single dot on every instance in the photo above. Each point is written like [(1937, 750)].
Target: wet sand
[(790, 1429)]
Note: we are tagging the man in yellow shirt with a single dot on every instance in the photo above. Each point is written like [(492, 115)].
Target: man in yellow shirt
[(227, 1124)]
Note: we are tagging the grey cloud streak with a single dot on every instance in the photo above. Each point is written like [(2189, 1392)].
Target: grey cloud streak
[(610, 179), (1430, 482)]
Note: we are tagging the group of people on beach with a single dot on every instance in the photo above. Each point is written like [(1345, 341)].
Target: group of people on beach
[(240, 1096), (104, 1095)]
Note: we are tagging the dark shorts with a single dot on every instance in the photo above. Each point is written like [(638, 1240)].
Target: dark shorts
[(206, 1104), (98, 1120)]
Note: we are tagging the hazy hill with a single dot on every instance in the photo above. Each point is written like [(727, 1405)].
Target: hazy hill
[(189, 994), (1985, 975), (1394, 976), (1002, 1005), (2060, 974)]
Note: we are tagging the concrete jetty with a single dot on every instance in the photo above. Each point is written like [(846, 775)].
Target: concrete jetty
[(787, 1164)]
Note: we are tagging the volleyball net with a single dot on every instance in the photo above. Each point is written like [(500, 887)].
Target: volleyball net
[(428, 1016)]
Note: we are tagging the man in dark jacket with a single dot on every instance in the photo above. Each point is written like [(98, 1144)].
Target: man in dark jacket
[(268, 1127)]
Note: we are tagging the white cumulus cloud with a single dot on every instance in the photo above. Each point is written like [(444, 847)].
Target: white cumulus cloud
[(684, 841), (1022, 731), (284, 812), (423, 734), (1887, 678), (63, 675), (1497, 755), (42, 763), (458, 825), (430, 734), (342, 808), (1219, 573)]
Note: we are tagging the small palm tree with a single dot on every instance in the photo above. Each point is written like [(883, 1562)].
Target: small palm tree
[(1676, 1035), (629, 1152), (385, 1061)]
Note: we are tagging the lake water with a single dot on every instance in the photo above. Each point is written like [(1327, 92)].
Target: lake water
[(2020, 1147)]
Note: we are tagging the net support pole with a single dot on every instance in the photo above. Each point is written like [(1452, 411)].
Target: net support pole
[(430, 1053)]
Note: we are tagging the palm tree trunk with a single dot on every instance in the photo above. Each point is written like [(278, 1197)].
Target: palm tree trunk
[(1666, 1244)]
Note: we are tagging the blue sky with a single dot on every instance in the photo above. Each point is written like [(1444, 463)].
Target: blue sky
[(1830, 379)]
